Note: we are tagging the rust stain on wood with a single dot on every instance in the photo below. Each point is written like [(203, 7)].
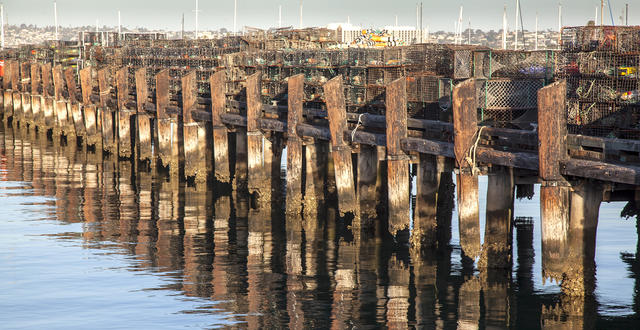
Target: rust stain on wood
[(294, 144), (397, 160), (341, 152), (552, 130)]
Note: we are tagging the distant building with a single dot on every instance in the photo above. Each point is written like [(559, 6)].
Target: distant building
[(400, 34)]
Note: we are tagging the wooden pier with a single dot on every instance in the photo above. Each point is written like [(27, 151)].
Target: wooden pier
[(364, 161)]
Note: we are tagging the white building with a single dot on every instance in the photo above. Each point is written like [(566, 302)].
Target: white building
[(401, 34)]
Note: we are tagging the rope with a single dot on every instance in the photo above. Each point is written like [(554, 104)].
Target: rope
[(471, 156), (353, 133), (579, 90), (105, 92)]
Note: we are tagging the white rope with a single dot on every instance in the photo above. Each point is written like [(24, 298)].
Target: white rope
[(471, 157), (106, 92), (353, 133)]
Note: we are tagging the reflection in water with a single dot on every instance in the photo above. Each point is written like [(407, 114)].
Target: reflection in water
[(265, 270)]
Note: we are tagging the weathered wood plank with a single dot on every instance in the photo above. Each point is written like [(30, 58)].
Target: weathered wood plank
[(554, 213), (578, 278), (194, 139), (552, 130), (94, 136), (47, 93), (367, 185), (109, 136), (125, 137), (220, 133), (424, 233), (465, 126), (60, 105), (168, 126), (340, 151), (497, 247), (36, 99), (626, 174), (554, 192), (294, 145), (144, 134), (255, 139), (397, 159)]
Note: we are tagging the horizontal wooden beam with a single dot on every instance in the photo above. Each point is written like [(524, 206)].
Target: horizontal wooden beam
[(601, 171)]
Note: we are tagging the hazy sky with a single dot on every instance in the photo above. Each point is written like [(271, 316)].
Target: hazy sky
[(214, 14)]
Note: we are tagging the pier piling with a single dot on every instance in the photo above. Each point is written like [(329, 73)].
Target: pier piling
[(294, 145), (465, 125), (340, 151), (397, 159)]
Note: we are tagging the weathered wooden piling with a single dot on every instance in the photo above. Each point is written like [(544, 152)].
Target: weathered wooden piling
[(48, 118), (497, 247), (60, 105), (144, 132), (465, 126), (340, 151), (257, 173), (107, 121), (241, 171), (17, 94), (167, 126), (35, 97), (15, 89), (25, 99), (425, 226), (315, 174), (93, 134), (195, 140), (76, 110), (367, 183), (579, 267), (554, 191), (220, 132), (294, 144), (125, 137), (397, 159), (7, 93)]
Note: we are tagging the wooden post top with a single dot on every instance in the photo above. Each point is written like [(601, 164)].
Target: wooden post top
[(254, 102), (6, 80), (465, 120), (162, 94), (71, 84), (86, 84), (552, 130), (104, 86), (295, 103), (35, 78), (396, 115), (189, 96), (142, 90), (336, 109), (46, 79), (218, 99), (122, 85), (58, 82)]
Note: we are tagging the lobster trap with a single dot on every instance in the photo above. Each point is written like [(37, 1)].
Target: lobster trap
[(514, 64), (620, 39), (424, 89), (503, 100)]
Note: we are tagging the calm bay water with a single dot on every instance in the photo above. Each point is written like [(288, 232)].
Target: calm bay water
[(90, 243)]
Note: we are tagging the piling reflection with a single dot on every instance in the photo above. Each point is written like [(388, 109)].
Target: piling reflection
[(265, 269)]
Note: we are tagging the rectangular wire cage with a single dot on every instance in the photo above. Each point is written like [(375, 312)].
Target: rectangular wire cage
[(518, 64), (423, 89), (600, 38), (507, 93)]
